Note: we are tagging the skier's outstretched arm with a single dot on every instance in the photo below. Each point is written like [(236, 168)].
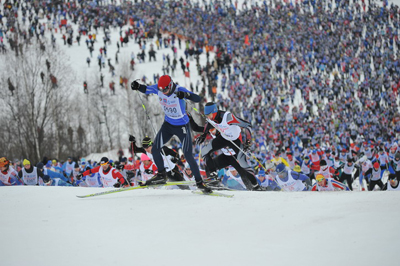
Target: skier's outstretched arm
[(136, 86), (195, 127)]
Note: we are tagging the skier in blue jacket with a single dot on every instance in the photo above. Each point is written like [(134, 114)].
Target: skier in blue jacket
[(172, 99)]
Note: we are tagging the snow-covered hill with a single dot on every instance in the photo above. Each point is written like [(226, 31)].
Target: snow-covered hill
[(49, 226)]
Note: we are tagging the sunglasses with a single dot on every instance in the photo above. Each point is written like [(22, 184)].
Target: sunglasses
[(166, 88), (102, 164), (319, 179)]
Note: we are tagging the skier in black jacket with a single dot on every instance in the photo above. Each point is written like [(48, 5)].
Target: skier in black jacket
[(230, 143)]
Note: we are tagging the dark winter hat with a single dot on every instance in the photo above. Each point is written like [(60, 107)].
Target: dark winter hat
[(165, 83), (103, 160), (210, 108), (322, 163), (40, 166), (280, 168), (146, 142), (397, 156)]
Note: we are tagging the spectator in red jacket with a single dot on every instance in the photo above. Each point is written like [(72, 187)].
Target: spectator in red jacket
[(108, 174)]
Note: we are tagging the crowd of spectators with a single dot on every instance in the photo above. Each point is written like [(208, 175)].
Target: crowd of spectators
[(306, 74)]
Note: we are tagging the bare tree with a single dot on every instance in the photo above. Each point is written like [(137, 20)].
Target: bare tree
[(42, 110), (34, 103)]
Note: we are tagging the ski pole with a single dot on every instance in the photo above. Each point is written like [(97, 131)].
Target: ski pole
[(147, 114)]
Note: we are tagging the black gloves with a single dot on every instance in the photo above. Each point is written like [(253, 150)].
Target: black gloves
[(119, 184), (246, 144), (200, 139), (189, 115), (149, 171), (132, 138), (174, 159), (79, 177), (135, 85), (46, 179), (182, 94), (130, 174)]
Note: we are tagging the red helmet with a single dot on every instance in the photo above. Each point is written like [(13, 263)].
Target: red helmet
[(376, 165), (165, 83)]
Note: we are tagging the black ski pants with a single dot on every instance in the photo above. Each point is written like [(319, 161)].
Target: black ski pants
[(223, 160), (372, 184), (348, 178), (167, 131)]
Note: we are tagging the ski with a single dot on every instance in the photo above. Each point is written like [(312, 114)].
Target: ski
[(137, 187), (214, 194), (219, 188)]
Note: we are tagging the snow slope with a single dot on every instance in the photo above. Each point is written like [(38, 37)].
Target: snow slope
[(50, 226)]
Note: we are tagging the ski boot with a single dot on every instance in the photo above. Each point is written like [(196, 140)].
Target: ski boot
[(258, 188), (212, 180), (203, 187), (159, 179)]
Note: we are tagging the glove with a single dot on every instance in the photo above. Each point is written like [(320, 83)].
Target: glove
[(247, 144), (46, 179), (189, 115), (132, 138), (135, 85), (149, 171), (182, 94), (130, 174), (200, 139), (119, 184), (79, 177), (174, 159)]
